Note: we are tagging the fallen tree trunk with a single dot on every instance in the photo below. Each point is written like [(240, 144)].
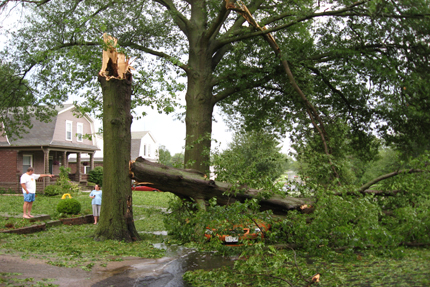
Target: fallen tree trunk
[(193, 184)]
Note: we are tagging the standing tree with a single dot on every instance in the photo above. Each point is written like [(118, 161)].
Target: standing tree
[(354, 60), (116, 218), (164, 156), (253, 158), (358, 63)]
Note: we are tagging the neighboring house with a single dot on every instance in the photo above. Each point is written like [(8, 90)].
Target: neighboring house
[(86, 158), (144, 144), (46, 147)]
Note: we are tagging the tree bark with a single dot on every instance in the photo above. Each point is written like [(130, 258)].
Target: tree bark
[(199, 110), (116, 218), (193, 184)]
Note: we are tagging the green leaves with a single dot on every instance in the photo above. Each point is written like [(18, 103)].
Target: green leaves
[(253, 158)]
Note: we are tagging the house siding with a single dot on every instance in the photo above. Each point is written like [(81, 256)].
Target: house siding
[(11, 169), (151, 148), (3, 139), (8, 169), (60, 128)]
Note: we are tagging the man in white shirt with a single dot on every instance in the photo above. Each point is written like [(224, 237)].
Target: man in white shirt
[(28, 183)]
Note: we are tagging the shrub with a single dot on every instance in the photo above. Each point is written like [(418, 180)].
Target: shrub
[(52, 190), (69, 206), (91, 184), (64, 182), (96, 175)]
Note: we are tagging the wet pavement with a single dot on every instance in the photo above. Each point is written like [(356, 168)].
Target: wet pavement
[(166, 271)]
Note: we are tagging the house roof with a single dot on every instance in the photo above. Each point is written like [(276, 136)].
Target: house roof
[(136, 142), (42, 134), (138, 135), (135, 148)]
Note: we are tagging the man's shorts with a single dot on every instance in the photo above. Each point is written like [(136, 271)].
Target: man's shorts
[(29, 197)]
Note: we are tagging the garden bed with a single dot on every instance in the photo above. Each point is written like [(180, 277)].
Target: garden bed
[(86, 219), (27, 229), (78, 220)]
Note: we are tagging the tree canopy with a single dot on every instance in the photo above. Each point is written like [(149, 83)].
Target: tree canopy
[(19, 103), (359, 63), (252, 158)]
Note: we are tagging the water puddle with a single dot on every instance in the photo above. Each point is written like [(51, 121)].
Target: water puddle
[(185, 260), (166, 271)]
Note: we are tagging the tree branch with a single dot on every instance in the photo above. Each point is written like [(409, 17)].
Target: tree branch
[(155, 53), (333, 88), (291, 23), (242, 10), (228, 92), (234, 30), (177, 16), (219, 55), (38, 3), (216, 25), (385, 176)]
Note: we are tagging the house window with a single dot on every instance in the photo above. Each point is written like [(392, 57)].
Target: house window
[(149, 150), (68, 130), (87, 169), (27, 161), (80, 132), (144, 150)]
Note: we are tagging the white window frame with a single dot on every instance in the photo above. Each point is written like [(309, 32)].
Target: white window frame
[(85, 169), (144, 150), (71, 130), (149, 150), (80, 132), (31, 161)]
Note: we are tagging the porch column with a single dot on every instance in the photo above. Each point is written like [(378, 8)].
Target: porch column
[(91, 160), (64, 159), (46, 180), (78, 167)]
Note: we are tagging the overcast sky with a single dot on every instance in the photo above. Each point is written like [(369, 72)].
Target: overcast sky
[(170, 132)]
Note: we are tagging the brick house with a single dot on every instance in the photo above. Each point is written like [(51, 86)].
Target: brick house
[(46, 147)]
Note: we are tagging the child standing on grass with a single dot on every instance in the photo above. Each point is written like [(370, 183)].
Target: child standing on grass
[(96, 195)]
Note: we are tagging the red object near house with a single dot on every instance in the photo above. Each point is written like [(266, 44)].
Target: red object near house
[(143, 188)]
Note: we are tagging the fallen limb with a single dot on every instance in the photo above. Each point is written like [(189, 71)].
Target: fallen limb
[(193, 184)]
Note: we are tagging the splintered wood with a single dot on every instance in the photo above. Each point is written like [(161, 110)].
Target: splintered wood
[(115, 65)]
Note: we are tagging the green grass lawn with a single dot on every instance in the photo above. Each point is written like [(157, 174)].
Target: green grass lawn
[(12, 205), (72, 246)]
